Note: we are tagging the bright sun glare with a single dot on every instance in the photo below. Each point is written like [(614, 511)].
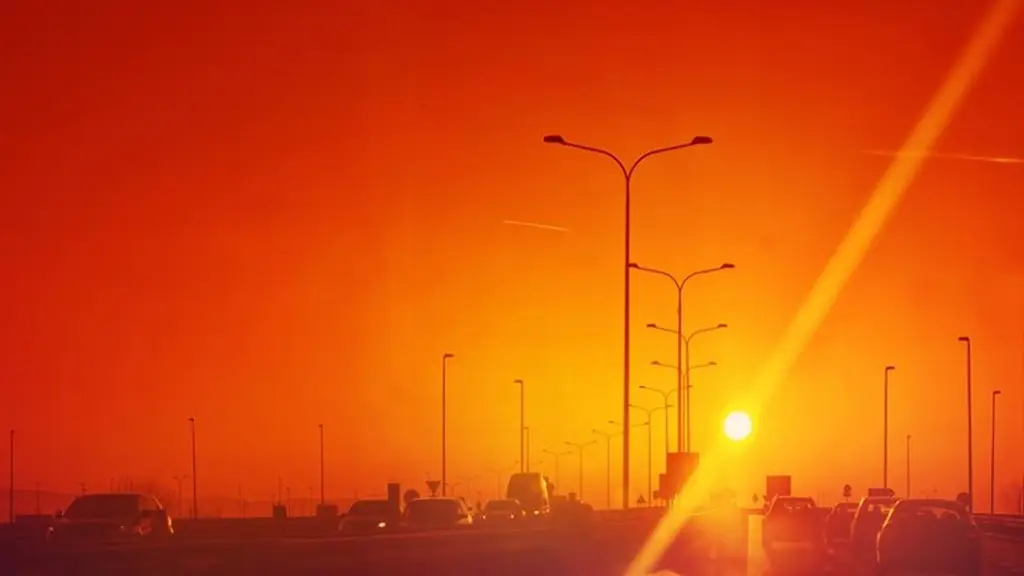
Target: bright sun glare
[(737, 426)]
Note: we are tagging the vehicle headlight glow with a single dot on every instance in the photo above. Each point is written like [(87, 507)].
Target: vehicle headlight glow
[(382, 524)]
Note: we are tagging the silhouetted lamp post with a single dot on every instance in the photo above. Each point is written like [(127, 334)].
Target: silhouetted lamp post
[(885, 429), (526, 435), (195, 483), (682, 344), (650, 416), (992, 472), (558, 464), (323, 490), (627, 174), (908, 466), (523, 460), (581, 446), (665, 395), (970, 424), (687, 371), (444, 421), (608, 463), (10, 489)]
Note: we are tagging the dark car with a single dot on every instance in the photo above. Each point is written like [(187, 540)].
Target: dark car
[(370, 516), (929, 535), (502, 512), (792, 528), (838, 522), (867, 521), (93, 518), (437, 514)]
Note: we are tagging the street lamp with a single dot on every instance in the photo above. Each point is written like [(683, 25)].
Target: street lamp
[(665, 395), (526, 434), (558, 461), (195, 483), (323, 492), (523, 461), (885, 429), (608, 462), (992, 472), (908, 465), (650, 413), (627, 174), (970, 425), (688, 370), (682, 365), (581, 446), (444, 421)]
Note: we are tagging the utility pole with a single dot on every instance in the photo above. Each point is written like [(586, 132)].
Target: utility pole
[(323, 498), (10, 504), (195, 483), (885, 430)]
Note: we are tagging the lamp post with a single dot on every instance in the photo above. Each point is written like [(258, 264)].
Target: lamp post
[(885, 429), (686, 398), (608, 463), (323, 490), (908, 466), (444, 421), (665, 395), (523, 461), (195, 483), (970, 425), (685, 368), (992, 471), (627, 174), (10, 487), (650, 415), (581, 446), (682, 343), (526, 434), (558, 464), (179, 479)]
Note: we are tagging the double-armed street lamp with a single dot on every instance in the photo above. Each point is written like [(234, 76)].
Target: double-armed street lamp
[(665, 395), (970, 423), (444, 421), (683, 368), (627, 174), (885, 429), (607, 436), (558, 464), (650, 414), (524, 462), (581, 446)]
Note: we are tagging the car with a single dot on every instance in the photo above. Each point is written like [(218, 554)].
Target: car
[(502, 512), (116, 517), (792, 527), (927, 535), (370, 516), (838, 522), (867, 521), (530, 489), (437, 514)]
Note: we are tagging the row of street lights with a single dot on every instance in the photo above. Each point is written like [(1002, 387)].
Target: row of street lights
[(966, 340)]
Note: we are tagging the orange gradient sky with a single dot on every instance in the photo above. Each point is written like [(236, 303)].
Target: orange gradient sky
[(269, 216)]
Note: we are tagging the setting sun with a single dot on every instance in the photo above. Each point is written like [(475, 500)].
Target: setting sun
[(737, 426)]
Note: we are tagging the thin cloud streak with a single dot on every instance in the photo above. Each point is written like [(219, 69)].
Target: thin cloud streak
[(535, 225)]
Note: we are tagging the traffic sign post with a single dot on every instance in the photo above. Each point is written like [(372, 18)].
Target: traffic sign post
[(847, 492), (433, 486)]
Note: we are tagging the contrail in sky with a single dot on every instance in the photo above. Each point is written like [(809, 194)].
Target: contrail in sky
[(968, 157), (535, 225)]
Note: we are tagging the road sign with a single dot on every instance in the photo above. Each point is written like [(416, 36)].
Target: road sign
[(640, 501), (847, 491), (433, 485)]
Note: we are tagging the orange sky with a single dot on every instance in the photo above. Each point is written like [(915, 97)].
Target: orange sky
[(271, 216)]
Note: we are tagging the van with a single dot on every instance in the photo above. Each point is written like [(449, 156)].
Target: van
[(530, 489)]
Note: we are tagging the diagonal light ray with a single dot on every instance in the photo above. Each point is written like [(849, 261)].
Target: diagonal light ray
[(946, 156), (550, 227), (844, 261)]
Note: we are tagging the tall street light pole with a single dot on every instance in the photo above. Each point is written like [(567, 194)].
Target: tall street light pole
[(323, 490), (558, 464), (885, 429), (526, 434), (665, 395), (650, 415), (523, 463), (627, 174), (908, 466), (10, 488), (444, 421), (685, 368), (970, 425), (689, 370), (179, 479), (992, 471), (195, 482), (581, 446), (608, 463), (682, 343)]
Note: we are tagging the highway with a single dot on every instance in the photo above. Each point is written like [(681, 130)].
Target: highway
[(604, 547)]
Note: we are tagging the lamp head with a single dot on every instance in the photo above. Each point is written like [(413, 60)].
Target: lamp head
[(699, 140), (554, 139)]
